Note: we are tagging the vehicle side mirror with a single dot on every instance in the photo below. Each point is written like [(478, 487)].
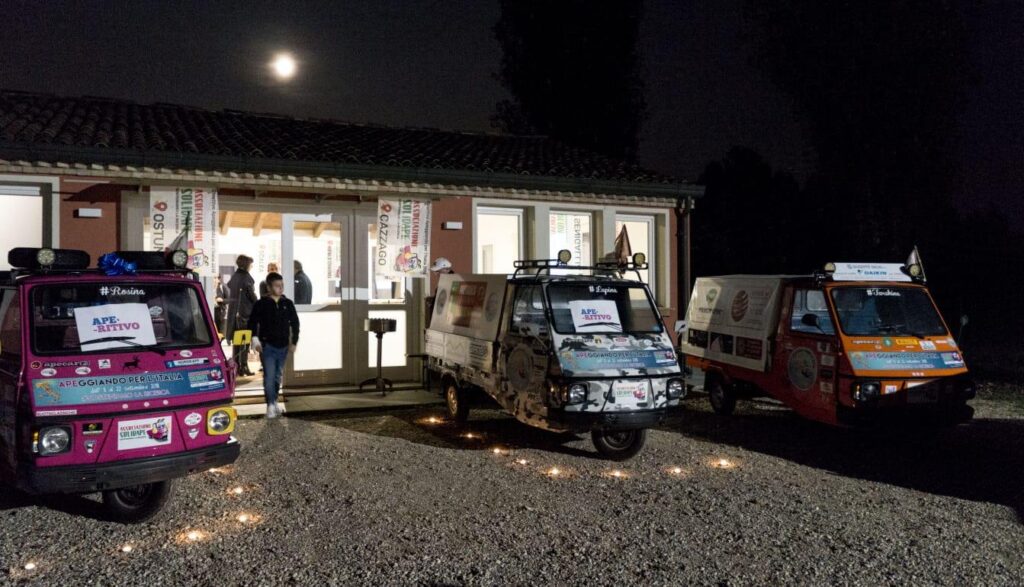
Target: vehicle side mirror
[(810, 320), (963, 320)]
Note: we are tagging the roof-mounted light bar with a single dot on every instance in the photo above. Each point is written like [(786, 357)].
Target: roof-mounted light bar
[(47, 259)]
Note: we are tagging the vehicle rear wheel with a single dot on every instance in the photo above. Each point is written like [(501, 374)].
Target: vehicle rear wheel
[(456, 401), (619, 445), (722, 395), (137, 503)]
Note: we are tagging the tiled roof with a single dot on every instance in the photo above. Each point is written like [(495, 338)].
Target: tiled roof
[(110, 127)]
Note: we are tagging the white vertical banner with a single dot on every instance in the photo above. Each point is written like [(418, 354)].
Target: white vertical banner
[(403, 238), (169, 207)]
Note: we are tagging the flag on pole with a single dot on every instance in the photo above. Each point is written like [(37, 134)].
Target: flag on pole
[(915, 259), (623, 250)]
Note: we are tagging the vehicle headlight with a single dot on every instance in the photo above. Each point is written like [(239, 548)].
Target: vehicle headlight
[(52, 440), (220, 420), (866, 391), (676, 389), (577, 393)]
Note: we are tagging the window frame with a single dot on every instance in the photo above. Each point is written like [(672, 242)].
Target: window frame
[(518, 213)]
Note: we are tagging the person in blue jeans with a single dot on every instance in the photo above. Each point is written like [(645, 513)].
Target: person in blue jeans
[(274, 325)]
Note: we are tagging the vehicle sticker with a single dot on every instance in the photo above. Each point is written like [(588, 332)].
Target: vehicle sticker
[(906, 341), (634, 389), (952, 359), (193, 419), (185, 353), (48, 372), (186, 362), (90, 446), (802, 368), (573, 361), (103, 363), (875, 361), (144, 433), (951, 342), (740, 304), (105, 326), (92, 428), (890, 388), (156, 311), (206, 378), (828, 360), (35, 364), (56, 412), (110, 388), (826, 387), (193, 432), (83, 371), (57, 364), (117, 290), (927, 345)]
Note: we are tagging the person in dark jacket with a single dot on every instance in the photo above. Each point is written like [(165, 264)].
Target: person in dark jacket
[(241, 297), (303, 286), (275, 325)]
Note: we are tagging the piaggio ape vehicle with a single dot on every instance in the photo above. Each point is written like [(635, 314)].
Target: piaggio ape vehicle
[(567, 349), (853, 344), (111, 380)]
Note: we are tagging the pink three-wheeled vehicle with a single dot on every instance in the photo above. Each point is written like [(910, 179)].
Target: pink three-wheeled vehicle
[(112, 379)]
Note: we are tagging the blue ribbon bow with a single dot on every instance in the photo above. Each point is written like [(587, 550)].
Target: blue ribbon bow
[(111, 264)]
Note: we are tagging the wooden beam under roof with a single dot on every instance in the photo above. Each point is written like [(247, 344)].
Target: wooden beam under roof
[(319, 228), (257, 224), (225, 223)]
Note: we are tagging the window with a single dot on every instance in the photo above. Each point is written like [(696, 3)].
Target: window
[(10, 322), (499, 239), (602, 309), (174, 312), (571, 230), (808, 303), (22, 224), (640, 230), (383, 290), (528, 311), (885, 311)]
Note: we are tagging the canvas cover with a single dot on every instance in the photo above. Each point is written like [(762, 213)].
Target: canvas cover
[(732, 318)]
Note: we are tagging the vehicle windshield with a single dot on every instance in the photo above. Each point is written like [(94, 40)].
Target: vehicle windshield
[(885, 311), (602, 308), (73, 318)]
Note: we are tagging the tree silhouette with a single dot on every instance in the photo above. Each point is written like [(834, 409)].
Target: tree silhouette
[(573, 71)]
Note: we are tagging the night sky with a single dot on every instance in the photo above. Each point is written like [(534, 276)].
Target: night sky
[(431, 63)]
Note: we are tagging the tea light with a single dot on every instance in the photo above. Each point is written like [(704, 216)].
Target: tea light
[(127, 548), (244, 518), (675, 471), (522, 462), (723, 464), (554, 472), (30, 566), (238, 490)]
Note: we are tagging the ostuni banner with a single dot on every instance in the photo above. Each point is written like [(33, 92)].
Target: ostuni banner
[(170, 209)]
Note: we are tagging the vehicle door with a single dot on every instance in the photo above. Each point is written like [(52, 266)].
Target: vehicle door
[(804, 366), (524, 349), (11, 338)]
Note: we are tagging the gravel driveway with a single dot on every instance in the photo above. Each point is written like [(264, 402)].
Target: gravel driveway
[(389, 498)]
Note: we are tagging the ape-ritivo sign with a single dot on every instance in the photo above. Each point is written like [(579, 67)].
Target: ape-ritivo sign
[(403, 238), (114, 326), (170, 209)]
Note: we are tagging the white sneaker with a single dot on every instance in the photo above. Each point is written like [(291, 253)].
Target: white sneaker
[(279, 408), (272, 411)]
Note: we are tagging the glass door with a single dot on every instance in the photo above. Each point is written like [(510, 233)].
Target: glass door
[(378, 297), (316, 250)]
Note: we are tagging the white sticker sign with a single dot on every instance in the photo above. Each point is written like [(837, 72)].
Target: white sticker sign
[(144, 433), (114, 326), (595, 316)]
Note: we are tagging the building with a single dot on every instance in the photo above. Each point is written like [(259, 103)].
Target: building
[(94, 173)]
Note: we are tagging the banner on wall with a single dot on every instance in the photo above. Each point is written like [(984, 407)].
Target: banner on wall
[(171, 208), (403, 238)]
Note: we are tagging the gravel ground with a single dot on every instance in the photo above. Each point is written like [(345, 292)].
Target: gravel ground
[(388, 498)]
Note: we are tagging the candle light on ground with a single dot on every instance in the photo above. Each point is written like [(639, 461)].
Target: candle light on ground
[(522, 462), (554, 472), (237, 490), (675, 471), (617, 474), (30, 566), (723, 464), (127, 548)]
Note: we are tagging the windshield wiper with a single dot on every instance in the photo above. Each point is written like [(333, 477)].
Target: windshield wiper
[(130, 340)]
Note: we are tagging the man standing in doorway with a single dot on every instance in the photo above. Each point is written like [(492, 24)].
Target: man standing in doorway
[(242, 295), (275, 325), (264, 288), (303, 286)]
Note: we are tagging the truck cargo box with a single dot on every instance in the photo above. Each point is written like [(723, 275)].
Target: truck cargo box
[(732, 318)]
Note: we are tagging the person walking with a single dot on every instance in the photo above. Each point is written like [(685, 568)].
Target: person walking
[(303, 286), (274, 325), (242, 296)]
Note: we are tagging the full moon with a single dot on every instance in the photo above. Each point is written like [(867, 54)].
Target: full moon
[(284, 66)]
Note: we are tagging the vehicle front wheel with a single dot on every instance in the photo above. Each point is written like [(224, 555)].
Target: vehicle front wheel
[(456, 401), (138, 503), (722, 396), (619, 445)]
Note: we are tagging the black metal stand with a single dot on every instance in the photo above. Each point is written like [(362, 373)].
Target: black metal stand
[(380, 327)]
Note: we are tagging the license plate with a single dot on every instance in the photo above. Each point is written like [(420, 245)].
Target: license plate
[(922, 396), (637, 390)]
